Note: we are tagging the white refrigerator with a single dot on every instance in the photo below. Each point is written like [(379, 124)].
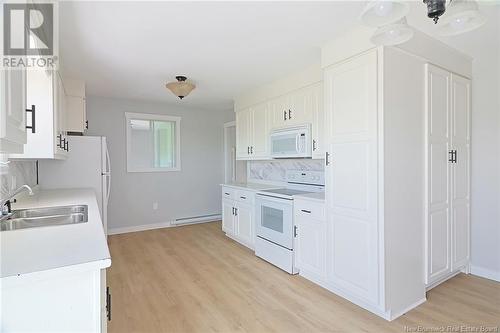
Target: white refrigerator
[(87, 166)]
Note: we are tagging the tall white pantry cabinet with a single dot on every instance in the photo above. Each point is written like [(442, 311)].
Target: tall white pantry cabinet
[(447, 174), (397, 210)]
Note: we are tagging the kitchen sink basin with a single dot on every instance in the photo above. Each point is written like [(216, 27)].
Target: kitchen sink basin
[(41, 217)]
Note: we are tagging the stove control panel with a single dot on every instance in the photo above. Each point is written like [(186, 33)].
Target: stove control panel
[(305, 177)]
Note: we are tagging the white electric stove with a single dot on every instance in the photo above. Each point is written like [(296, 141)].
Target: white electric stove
[(274, 217)]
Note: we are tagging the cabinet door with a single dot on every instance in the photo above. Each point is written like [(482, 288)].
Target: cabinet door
[(228, 216), (59, 115), (13, 111), (318, 123), (300, 110), (75, 115), (460, 188), (259, 144), (278, 109), (352, 176), (311, 247), (243, 128), (438, 173), (245, 224)]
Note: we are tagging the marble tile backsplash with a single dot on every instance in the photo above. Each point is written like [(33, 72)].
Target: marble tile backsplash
[(23, 173), (275, 170)]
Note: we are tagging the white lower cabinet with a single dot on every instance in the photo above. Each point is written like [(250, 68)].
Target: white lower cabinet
[(310, 248), (238, 220), (60, 300)]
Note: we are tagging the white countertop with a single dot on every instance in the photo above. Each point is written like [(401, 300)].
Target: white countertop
[(316, 196), (25, 251), (252, 186)]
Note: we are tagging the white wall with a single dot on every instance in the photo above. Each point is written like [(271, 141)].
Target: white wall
[(483, 45), (193, 191)]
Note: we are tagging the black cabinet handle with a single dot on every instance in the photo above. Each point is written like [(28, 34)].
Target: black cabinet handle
[(455, 156), (314, 145), (251, 149), (108, 303), (236, 211), (327, 158), (226, 193), (295, 233), (233, 210), (284, 115), (289, 114), (86, 124), (248, 150), (450, 156), (59, 138), (32, 127), (306, 211), (66, 145), (244, 198)]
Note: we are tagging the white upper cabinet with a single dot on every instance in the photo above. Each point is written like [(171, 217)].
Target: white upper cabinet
[(252, 132), (76, 113), (448, 163), (13, 111), (47, 138), (243, 135), (254, 124)]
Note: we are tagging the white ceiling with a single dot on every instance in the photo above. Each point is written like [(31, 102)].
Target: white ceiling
[(130, 49)]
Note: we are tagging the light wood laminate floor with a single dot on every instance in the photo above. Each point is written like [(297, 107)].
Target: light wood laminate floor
[(195, 279)]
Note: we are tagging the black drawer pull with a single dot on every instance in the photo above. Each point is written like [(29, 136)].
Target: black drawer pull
[(244, 198), (306, 211), (226, 193)]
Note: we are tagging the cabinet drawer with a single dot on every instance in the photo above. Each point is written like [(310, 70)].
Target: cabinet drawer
[(309, 209), (228, 193), (245, 196)]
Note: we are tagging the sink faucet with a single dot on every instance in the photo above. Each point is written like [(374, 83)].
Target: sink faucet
[(5, 203)]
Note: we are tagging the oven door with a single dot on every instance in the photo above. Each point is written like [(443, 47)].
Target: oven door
[(274, 220)]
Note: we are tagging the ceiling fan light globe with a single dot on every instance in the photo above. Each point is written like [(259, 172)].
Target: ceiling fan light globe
[(382, 12)]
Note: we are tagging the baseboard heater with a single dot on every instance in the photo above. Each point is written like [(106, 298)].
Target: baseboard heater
[(196, 219)]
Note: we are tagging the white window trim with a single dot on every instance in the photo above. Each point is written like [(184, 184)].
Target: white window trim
[(149, 116)]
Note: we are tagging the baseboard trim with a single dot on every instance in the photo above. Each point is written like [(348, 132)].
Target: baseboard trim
[(152, 226), (485, 273), (407, 309)]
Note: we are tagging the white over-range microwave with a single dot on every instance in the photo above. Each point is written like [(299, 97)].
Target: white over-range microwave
[(291, 142)]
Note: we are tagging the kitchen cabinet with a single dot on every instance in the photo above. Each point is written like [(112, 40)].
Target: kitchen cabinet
[(238, 221), (12, 111), (252, 133), (64, 299), (253, 124), (310, 239), (447, 179), (76, 113), (47, 138), (393, 122)]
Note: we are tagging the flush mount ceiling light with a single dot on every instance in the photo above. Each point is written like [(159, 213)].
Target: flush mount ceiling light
[(462, 16), (382, 12), (181, 88), (393, 34)]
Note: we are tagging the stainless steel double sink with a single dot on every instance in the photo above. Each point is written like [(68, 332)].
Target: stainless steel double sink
[(41, 217)]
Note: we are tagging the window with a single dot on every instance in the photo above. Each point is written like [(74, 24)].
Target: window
[(153, 142)]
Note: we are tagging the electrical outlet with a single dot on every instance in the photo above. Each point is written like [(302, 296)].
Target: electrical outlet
[(155, 205)]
